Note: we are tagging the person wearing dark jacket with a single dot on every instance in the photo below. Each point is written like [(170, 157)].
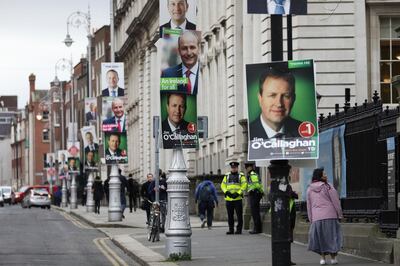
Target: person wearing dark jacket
[(107, 189), (144, 192), (206, 197), (124, 184), (133, 193), (98, 193)]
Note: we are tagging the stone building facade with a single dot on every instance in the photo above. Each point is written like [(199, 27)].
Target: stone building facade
[(354, 45)]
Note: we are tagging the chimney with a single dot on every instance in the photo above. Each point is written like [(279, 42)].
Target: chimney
[(32, 79)]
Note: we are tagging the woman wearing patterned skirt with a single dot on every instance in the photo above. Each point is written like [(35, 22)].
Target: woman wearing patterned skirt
[(324, 212)]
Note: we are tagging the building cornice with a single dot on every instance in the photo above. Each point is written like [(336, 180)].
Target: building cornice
[(138, 30)]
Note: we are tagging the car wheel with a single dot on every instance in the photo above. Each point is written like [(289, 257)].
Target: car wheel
[(48, 207), (29, 207)]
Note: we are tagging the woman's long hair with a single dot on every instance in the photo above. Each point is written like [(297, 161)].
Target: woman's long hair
[(318, 174)]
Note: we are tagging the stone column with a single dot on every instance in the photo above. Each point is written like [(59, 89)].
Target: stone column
[(178, 230)]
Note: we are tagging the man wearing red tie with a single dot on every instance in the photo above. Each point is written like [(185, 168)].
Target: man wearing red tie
[(189, 50), (116, 123)]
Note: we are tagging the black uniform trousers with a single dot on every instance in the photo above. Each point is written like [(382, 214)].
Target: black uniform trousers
[(231, 207), (255, 198)]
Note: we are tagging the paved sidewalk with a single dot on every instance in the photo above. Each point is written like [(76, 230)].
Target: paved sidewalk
[(209, 247)]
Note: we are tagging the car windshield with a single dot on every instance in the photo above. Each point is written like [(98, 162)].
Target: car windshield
[(23, 189), (40, 192), (6, 190)]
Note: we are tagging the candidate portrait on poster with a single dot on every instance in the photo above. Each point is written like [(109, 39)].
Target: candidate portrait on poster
[(50, 160), (90, 109), (277, 7), (112, 77), (115, 148), (178, 15), (89, 137), (114, 116), (62, 157), (179, 120), (282, 110), (184, 76)]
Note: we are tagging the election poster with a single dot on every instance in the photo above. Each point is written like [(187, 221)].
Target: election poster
[(113, 114), (90, 110), (112, 79), (180, 62), (91, 147), (115, 148), (50, 160), (73, 158), (177, 15), (179, 120), (287, 7), (282, 111)]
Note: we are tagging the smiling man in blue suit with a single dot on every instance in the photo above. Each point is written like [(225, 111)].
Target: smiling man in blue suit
[(189, 51)]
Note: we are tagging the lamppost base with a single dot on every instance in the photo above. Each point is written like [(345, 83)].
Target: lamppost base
[(179, 245)]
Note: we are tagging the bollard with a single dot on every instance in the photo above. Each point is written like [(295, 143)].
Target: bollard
[(280, 227), (89, 193), (114, 206), (64, 192), (178, 230), (73, 204)]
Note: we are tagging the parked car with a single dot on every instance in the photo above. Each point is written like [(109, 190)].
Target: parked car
[(19, 196), (1, 199), (37, 197), (8, 194)]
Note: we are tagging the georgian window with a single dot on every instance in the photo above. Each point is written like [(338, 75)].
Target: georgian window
[(389, 57)]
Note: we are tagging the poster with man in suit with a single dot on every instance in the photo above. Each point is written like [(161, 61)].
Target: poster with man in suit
[(277, 7), (114, 117), (184, 76), (177, 15), (179, 120), (112, 79), (282, 110), (90, 110), (91, 146)]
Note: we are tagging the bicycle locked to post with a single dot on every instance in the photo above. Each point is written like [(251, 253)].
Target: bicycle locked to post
[(158, 209)]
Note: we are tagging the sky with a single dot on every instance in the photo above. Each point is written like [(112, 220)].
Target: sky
[(31, 41)]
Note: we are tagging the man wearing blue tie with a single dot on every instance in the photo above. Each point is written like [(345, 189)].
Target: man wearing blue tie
[(277, 7), (112, 90)]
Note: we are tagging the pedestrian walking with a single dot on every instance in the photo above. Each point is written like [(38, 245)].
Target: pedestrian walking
[(324, 212), (206, 197), (124, 184), (133, 193), (106, 188), (98, 192), (233, 185), (144, 192), (256, 192)]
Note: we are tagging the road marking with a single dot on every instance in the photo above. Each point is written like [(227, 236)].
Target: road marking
[(108, 252), (74, 221)]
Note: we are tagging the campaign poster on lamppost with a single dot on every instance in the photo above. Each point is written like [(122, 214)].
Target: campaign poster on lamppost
[(73, 158), (50, 160), (115, 147), (180, 62), (277, 7), (112, 79), (91, 147), (62, 157), (90, 110), (177, 15), (179, 120), (113, 114), (282, 110)]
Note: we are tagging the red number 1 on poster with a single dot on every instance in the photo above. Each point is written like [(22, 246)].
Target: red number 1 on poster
[(306, 129)]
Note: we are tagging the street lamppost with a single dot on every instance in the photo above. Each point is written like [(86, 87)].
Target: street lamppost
[(62, 64), (76, 19)]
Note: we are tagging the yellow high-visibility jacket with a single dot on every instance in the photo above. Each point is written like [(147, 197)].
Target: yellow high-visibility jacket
[(234, 183)]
